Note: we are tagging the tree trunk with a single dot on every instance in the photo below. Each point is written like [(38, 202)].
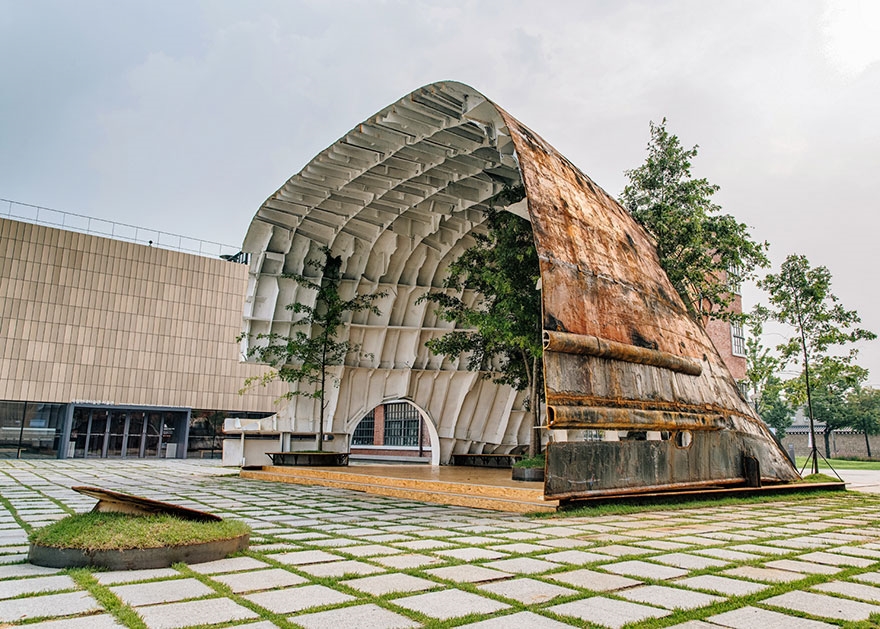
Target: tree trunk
[(536, 405), (867, 441), (827, 435)]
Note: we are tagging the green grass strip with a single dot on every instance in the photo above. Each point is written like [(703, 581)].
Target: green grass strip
[(122, 612)]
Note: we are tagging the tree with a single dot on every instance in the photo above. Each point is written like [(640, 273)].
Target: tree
[(832, 382), (704, 252), (864, 404), (765, 386), (502, 335), (801, 297), (305, 357)]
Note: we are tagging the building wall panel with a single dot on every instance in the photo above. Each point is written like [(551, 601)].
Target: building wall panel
[(89, 318)]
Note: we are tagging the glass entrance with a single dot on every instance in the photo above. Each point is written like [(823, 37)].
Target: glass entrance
[(126, 433)]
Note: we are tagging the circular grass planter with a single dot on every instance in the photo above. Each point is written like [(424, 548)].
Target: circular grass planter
[(132, 542)]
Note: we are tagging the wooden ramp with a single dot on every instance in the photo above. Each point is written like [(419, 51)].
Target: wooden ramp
[(482, 488)]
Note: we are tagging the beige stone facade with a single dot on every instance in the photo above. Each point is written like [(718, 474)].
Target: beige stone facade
[(91, 319)]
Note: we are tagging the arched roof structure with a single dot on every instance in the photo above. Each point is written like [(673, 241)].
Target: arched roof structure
[(400, 196)]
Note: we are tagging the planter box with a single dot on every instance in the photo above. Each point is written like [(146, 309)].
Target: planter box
[(533, 474), (317, 459), (486, 460)]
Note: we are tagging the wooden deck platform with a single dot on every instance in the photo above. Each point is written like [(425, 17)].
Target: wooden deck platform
[(483, 488)]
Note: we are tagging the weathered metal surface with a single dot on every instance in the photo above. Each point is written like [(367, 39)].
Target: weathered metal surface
[(622, 353), (401, 196), (116, 502), (603, 348), (626, 467)]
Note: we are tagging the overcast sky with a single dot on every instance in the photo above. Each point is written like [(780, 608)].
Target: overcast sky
[(184, 116)]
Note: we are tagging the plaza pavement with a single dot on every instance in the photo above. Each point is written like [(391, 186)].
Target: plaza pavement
[(329, 558)]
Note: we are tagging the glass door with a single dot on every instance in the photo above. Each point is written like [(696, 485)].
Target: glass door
[(135, 442), (96, 440), (116, 433), (153, 438)]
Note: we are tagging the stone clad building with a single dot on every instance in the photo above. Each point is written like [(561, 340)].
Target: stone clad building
[(116, 349)]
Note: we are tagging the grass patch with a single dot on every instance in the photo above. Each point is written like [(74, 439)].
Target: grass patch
[(118, 531), (841, 464), (819, 478), (533, 462)]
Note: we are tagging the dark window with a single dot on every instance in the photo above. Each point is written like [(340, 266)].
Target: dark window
[(738, 338), (401, 424), (363, 434)]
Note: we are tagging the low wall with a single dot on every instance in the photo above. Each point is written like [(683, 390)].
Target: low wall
[(847, 444)]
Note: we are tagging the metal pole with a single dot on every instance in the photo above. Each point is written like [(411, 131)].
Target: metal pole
[(21, 431)]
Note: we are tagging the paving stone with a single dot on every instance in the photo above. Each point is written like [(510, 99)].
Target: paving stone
[(425, 544), (25, 570), (470, 553), (689, 562), (726, 553), (694, 624), (522, 565), (578, 557), (234, 564), (802, 543), (852, 590), (140, 594), (825, 606), (519, 619), (467, 574), (335, 542), (17, 587), (858, 551), (564, 542), (47, 605), (450, 603), (340, 568), (760, 549), (357, 617), (290, 600), (521, 548), (805, 567), (617, 550), (130, 576), (764, 574), (722, 585), (644, 569), (868, 577), (255, 580), (835, 559), (607, 612), (208, 612), (595, 581), (305, 557), (101, 621), (752, 617), (370, 550), (405, 562), (662, 544), (670, 598), (386, 583), (527, 591)]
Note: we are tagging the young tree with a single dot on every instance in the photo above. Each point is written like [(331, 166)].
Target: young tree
[(305, 357), (801, 297), (832, 382), (503, 326), (864, 405), (764, 385), (704, 252)]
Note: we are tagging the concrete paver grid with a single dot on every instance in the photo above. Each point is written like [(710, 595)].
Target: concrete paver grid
[(390, 536)]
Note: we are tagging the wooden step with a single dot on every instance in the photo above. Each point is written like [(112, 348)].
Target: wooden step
[(468, 491)]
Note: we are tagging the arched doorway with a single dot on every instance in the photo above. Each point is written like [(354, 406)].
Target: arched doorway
[(395, 432)]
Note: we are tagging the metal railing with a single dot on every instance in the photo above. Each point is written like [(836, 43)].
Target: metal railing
[(120, 231)]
